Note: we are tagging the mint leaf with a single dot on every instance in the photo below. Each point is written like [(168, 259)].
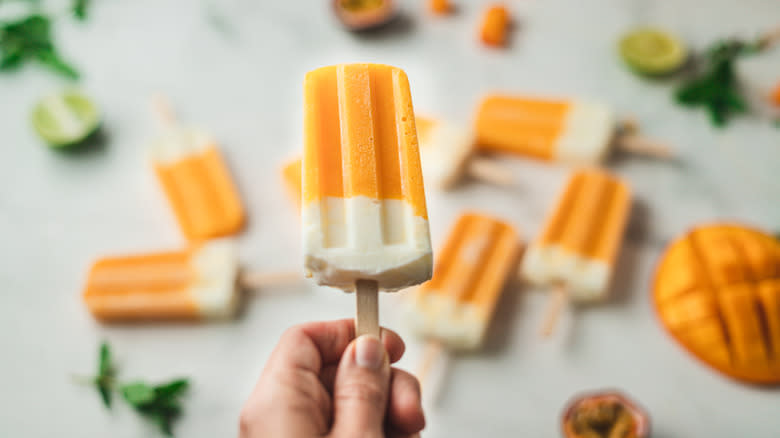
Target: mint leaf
[(160, 404), (30, 39), (138, 393), (80, 9), (105, 376)]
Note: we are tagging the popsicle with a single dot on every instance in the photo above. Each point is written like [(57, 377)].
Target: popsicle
[(576, 251), (195, 180), (365, 223), (200, 282), (291, 175), (448, 154), (571, 131), (456, 306)]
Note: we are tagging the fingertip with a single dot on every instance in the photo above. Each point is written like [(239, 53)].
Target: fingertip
[(394, 345), (406, 412)]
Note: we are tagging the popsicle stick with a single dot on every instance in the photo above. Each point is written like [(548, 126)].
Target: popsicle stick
[(258, 280), (163, 111), (769, 38), (489, 171), (431, 354), (640, 145), (367, 316), (560, 295)]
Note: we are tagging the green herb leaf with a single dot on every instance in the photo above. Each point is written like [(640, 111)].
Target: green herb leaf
[(160, 404), (173, 389), (138, 393), (80, 9), (105, 376), (30, 39), (716, 87)]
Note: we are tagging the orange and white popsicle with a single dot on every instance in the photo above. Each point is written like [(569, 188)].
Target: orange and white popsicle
[(581, 239), (203, 281), (570, 131), (575, 131), (196, 182), (363, 210), (199, 282), (448, 153), (456, 306)]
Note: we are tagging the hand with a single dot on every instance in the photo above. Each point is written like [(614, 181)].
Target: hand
[(321, 381)]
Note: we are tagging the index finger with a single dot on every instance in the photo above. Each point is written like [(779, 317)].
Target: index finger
[(315, 345)]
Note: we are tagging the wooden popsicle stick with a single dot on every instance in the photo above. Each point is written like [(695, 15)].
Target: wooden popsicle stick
[(640, 145), (628, 139), (163, 111), (489, 171), (431, 354), (367, 315), (769, 38), (257, 280), (560, 295)]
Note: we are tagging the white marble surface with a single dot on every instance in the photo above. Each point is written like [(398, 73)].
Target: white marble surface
[(243, 81)]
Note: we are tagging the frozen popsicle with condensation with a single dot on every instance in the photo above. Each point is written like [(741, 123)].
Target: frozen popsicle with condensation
[(199, 282), (571, 131), (364, 218), (456, 306), (448, 154), (581, 239), (196, 182), (291, 175)]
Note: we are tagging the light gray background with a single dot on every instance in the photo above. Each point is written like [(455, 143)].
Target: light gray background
[(236, 68)]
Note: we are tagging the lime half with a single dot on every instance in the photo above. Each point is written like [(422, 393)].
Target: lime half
[(652, 51), (65, 119)]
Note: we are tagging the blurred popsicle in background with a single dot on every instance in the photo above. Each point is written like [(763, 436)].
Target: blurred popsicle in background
[(453, 311), (201, 282), (291, 177), (570, 131), (576, 252), (195, 179), (365, 222), (448, 155)]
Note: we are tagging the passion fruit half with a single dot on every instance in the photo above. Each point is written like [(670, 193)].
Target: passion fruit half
[(360, 15), (605, 414)]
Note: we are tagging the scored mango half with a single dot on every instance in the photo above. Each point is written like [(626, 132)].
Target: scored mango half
[(717, 291)]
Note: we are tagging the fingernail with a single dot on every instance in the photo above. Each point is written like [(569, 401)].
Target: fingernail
[(369, 352)]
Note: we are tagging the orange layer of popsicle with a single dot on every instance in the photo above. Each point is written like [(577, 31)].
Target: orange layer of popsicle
[(202, 194), (522, 126), (152, 286), (590, 216), (360, 137)]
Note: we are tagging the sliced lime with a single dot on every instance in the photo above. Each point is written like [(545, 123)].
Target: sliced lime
[(652, 51), (65, 119)]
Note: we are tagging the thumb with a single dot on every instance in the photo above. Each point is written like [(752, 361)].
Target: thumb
[(360, 391)]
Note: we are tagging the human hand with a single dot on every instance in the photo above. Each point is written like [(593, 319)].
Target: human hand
[(321, 381)]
